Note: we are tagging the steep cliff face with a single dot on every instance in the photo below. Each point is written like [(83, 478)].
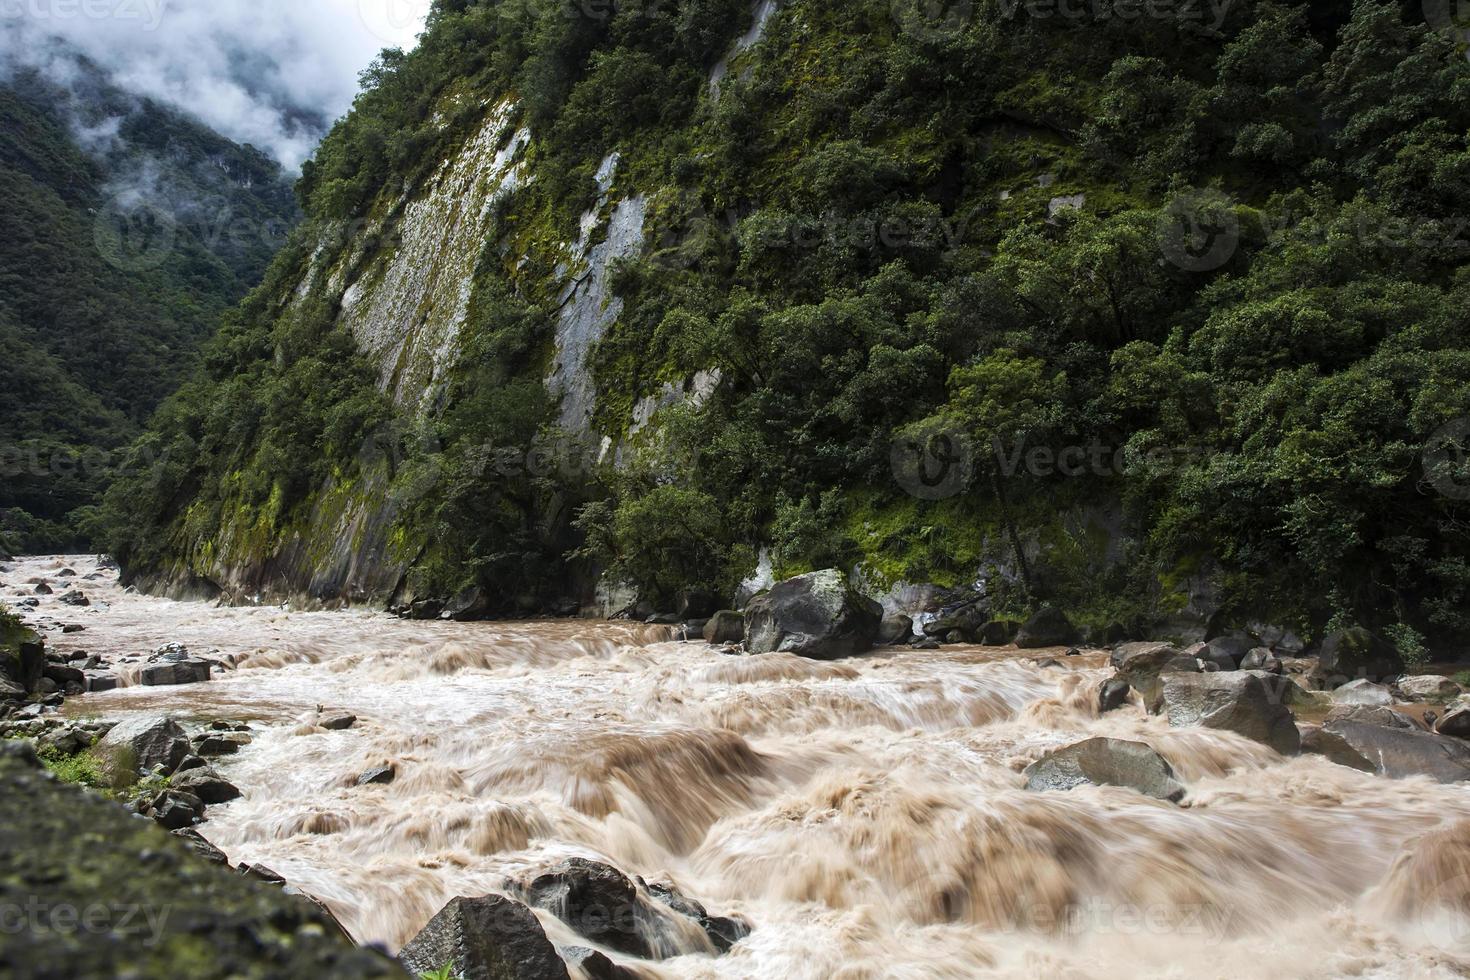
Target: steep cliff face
[(709, 292)]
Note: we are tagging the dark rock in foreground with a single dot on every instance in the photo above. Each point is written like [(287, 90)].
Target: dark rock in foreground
[(490, 938), (816, 615), (1106, 762), (166, 912)]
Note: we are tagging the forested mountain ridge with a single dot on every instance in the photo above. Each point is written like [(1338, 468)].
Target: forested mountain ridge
[(1173, 302), (127, 230)]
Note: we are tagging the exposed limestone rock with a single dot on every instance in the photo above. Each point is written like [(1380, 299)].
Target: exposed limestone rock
[(1106, 762)]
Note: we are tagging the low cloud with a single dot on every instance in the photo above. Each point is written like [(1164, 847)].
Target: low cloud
[(272, 73)]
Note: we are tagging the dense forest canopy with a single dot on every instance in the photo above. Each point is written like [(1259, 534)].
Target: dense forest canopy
[(1218, 250), (129, 229)]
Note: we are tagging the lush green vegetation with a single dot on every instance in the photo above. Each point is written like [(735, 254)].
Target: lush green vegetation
[(869, 234), (96, 335)]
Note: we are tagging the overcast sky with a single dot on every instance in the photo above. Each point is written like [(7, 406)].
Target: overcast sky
[(247, 68)]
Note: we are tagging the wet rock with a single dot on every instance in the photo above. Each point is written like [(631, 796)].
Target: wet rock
[(22, 656), (425, 609), (1428, 687), (1105, 762), (1371, 715), (1140, 665), (201, 847), (467, 606), (206, 784), (190, 671), (963, 623), (895, 631), (73, 628), (1049, 627), (102, 681), (694, 630), (378, 776), (190, 762), (998, 633), (1249, 703), (490, 938), (66, 573), (927, 643), (1363, 692), (597, 901), (75, 598), (663, 619), (142, 743), (1455, 723), (1261, 659), (695, 604), (1112, 695), (42, 589), (175, 809), (725, 626), (1392, 752), (1354, 654), (595, 965), (63, 674), (1227, 652), (723, 931), (336, 721), (818, 616), (11, 691), (215, 744)]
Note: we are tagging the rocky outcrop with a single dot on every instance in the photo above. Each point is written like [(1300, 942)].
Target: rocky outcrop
[(141, 744), (816, 615), (1106, 762), (1047, 628), (1248, 703), (489, 938), (168, 912), (1393, 752)]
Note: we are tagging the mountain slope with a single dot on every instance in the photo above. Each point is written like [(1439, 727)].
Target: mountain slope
[(128, 229), (1142, 315)]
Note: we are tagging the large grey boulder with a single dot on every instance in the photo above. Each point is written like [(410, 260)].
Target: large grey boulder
[(207, 784), (1049, 627), (1106, 762), (895, 631), (1456, 722), (1249, 703), (1363, 692), (1392, 752), (1356, 653), (1226, 652), (142, 743), (191, 671), (1370, 714), (489, 938), (816, 615), (469, 605), (1428, 687), (1141, 666), (725, 626)]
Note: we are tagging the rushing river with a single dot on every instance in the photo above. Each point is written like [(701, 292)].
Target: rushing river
[(868, 817)]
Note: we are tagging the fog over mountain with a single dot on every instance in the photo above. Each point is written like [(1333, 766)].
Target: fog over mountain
[(272, 73)]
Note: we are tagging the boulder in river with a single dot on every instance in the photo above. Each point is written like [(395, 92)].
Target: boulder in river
[(817, 615), (191, 671), (1428, 687), (468, 605), (1140, 666), (598, 901), (1049, 627), (1226, 652), (1112, 695), (378, 776), (1363, 692), (489, 938), (176, 809), (896, 630), (1370, 714), (75, 598), (205, 783), (595, 965), (1354, 654), (998, 632), (1392, 752), (1262, 659), (1248, 703), (725, 626), (1106, 762), (1455, 723), (143, 743)]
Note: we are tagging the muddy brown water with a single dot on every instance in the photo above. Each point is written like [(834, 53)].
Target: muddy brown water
[(867, 816)]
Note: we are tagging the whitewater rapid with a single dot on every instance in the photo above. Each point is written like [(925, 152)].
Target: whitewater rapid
[(867, 817)]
